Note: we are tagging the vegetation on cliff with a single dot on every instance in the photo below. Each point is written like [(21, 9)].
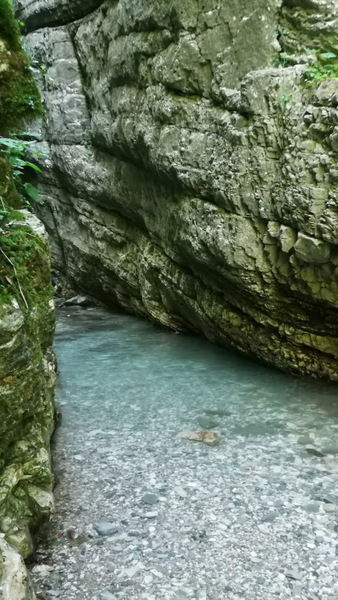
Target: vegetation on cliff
[(20, 249)]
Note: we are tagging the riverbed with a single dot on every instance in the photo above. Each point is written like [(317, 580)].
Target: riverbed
[(143, 513)]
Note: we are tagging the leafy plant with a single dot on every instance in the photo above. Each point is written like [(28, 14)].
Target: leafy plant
[(16, 151), (323, 65), (284, 99)]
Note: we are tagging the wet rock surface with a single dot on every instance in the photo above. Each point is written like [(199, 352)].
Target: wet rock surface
[(255, 517)]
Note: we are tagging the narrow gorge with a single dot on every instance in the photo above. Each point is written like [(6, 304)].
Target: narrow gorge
[(192, 177), (174, 160)]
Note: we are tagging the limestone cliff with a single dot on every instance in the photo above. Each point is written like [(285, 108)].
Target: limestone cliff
[(27, 371), (193, 175)]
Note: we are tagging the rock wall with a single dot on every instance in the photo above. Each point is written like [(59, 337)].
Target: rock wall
[(27, 378), (193, 175), (27, 364)]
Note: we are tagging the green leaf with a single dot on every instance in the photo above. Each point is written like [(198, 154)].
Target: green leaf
[(32, 191), (32, 166), (328, 55)]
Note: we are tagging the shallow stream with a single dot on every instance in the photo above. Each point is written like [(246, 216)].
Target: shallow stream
[(254, 517)]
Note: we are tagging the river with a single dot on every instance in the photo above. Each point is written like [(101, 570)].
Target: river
[(254, 517)]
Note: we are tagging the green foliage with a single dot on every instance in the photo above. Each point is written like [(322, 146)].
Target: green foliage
[(284, 99), (285, 60), (15, 151), (22, 254), (323, 65)]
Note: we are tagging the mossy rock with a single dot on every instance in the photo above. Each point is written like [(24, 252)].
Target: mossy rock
[(19, 95)]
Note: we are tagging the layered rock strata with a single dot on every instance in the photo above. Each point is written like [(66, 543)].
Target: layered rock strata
[(193, 173)]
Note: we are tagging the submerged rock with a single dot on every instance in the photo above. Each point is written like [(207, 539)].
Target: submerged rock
[(206, 437), (106, 528), (149, 499), (208, 422)]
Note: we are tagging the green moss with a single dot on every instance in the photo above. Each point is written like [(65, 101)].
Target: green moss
[(19, 95), (27, 252), (9, 30), (8, 190)]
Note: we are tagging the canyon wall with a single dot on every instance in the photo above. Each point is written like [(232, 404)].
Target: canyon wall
[(193, 175), (27, 363)]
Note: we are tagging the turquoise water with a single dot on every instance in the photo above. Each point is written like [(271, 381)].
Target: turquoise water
[(114, 361), (254, 517)]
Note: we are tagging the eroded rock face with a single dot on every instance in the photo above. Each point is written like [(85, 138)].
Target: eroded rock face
[(27, 379), (192, 180)]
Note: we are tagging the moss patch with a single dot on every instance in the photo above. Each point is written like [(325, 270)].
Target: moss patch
[(9, 26), (19, 95), (21, 247)]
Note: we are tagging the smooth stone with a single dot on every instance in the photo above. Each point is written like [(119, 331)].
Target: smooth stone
[(149, 499), (305, 440), (330, 449), (329, 508), (219, 412), (110, 494), (330, 499), (312, 507), (107, 596), (106, 528), (207, 422), (293, 574), (269, 517), (78, 301), (314, 452)]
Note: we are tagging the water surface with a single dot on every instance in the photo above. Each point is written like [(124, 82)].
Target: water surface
[(255, 517)]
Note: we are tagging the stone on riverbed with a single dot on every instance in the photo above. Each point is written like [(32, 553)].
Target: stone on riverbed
[(208, 422), (149, 499), (206, 437), (219, 412), (106, 528)]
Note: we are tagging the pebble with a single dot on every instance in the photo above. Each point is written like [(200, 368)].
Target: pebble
[(107, 596), (269, 517), (208, 422), (312, 507), (149, 499), (106, 528)]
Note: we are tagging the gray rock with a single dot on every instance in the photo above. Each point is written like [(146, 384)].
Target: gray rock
[(305, 440), (314, 452), (312, 507), (78, 301), (149, 499), (208, 422), (107, 596), (15, 582), (106, 528), (270, 517)]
